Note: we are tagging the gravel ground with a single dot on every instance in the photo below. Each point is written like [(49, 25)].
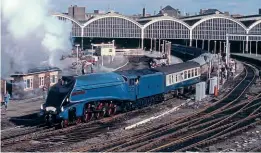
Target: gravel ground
[(147, 113), (246, 141)]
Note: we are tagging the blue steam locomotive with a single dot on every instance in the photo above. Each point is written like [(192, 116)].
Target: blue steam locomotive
[(93, 96)]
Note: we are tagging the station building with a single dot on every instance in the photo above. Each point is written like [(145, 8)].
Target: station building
[(199, 30), (30, 84)]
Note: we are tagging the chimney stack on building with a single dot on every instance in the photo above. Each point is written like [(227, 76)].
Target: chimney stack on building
[(144, 12)]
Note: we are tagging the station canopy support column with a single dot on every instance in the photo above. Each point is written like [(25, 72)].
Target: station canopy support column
[(247, 36)]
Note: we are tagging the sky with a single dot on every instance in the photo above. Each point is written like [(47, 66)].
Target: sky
[(130, 7)]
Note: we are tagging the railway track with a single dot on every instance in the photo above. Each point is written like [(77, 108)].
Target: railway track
[(161, 137), (64, 137)]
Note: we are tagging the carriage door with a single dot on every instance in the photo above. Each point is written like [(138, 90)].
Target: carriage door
[(132, 88)]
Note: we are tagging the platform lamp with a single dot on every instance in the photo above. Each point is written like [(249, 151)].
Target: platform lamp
[(77, 52)]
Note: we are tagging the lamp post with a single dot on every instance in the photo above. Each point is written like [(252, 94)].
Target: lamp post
[(77, 55)]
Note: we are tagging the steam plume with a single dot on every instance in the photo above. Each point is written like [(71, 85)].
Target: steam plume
[(30, 36)]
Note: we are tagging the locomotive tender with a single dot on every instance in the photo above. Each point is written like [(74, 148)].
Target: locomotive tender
[(86, 97)]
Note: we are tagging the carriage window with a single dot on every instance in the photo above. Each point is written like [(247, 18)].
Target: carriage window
[(192, 73), (196, 72), (172, 78), (181, 76), (185, 75), (188, 73), (132, 82), (169, 79), (177, 78)]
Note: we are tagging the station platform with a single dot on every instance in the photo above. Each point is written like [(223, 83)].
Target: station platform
[(249, 56)]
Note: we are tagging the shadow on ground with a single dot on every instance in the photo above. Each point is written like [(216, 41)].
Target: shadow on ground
[(26, 120)]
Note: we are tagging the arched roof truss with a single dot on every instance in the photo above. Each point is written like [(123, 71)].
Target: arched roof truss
[(166, 28), (112, 26), (255, 29), (216, 27), (76, 26)]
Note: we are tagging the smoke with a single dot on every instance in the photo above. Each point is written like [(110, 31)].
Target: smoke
[(174, 60), (31, 36)]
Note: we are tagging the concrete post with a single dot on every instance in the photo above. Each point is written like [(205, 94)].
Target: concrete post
[(142, 39), (247, 44), (215, 47), (227, 44), (82, 43)]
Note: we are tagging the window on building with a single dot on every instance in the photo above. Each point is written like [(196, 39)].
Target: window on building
[(28, 84), (110, 50), (189, 73), (41, 81), (53, 78)]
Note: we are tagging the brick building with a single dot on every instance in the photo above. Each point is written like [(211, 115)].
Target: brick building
[(76, 12), (30, 84)]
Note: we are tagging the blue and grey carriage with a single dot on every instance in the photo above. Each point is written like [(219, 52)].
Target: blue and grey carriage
[(93, 96)]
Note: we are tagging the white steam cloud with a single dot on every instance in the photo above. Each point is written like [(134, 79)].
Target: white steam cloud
[(31, 36)]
